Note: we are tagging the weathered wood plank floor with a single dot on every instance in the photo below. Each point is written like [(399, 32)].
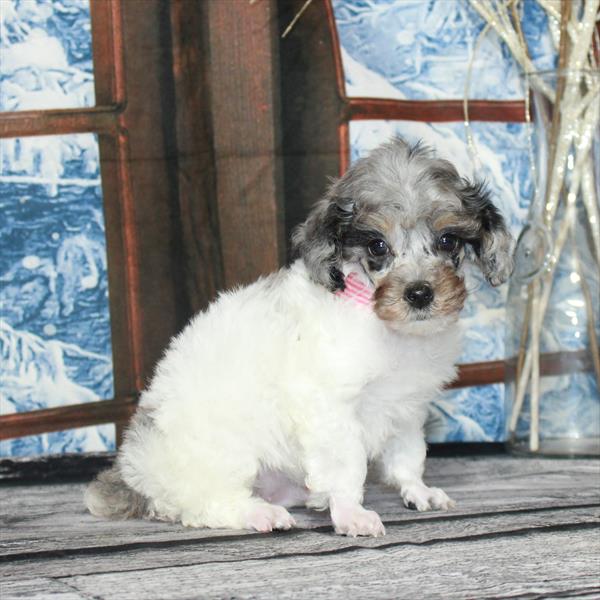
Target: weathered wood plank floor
[(523, 528)]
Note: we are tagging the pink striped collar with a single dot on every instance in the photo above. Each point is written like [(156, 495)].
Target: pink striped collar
[(358, 290)]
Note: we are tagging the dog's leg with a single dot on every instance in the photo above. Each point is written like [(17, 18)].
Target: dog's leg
[(350, 518), (265, 517), (250, 513), (403, 464), (336, 468), (200, 480)]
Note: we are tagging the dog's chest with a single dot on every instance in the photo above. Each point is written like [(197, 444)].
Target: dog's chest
[(398, 398)]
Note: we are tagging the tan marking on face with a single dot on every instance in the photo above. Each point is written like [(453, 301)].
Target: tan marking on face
[(378, 220), (389, 304), (450, 292)]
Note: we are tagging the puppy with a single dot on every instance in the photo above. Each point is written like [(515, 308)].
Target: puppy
[(282, 392)]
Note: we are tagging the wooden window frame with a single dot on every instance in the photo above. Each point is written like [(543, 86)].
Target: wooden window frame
[(188, 210)]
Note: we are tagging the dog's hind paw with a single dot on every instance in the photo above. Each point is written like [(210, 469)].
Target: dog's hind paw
[(265, 517)]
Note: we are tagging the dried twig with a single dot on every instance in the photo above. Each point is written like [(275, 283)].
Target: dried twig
[(570, 172), (295, 19)]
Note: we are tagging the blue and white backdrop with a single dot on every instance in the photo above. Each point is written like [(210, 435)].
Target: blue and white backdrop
[(55, 328), (55, 342)]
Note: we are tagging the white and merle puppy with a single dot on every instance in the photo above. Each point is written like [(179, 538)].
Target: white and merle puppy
[(282, 392)]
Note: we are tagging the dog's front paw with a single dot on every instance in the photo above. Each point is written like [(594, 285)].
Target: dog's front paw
[(420, 497), (354, 520)]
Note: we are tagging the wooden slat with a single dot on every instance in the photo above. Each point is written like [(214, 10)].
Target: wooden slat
[(119, 212), (121, 250), (201, 249), (244, 92), (107, 52), (344, 140), (66, 417), (522, 527), (481, 373), (557, 363), (310, 109), (35, 522), (548, 564), (295, 543), (434, 110), (499, 371), (40, 588), (146, 177), (340, 79), (102, 119)]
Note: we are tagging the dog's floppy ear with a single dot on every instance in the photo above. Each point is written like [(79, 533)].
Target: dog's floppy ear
[(318, 241), (493, 245)]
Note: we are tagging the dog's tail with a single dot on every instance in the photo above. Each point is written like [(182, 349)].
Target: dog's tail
[(110, 497)]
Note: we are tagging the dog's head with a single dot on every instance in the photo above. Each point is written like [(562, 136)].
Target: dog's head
[(410, 221)]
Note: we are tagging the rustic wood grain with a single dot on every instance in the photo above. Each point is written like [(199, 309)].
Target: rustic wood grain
[(432, 111), (499, 371), (310, 108), (65, 417), (40, 588), (547, 563), (107, 51), (159, 306), (196, 182), (126, 342), (244, 98), (523, 527), (83, 120), (294, 543), (52, 517)]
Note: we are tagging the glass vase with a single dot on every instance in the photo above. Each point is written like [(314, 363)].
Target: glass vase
[(553, 306)]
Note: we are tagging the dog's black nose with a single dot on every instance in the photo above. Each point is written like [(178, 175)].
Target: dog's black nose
[(419, 294)]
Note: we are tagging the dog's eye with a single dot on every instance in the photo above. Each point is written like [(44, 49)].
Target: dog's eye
[(449, 243), (378, 248)]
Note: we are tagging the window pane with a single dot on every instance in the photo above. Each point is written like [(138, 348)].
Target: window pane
[(55, 339), (418, 50), (46, 48), (471, 414), (84, 439)]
